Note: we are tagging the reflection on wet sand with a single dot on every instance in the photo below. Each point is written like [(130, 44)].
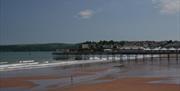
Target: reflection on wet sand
[(109, 77)]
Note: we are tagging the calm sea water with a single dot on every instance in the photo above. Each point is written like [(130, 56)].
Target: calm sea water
[(14, 57)]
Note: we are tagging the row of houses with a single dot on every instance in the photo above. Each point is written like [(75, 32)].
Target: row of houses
[(159, 48), (114, 47), (109, 48)]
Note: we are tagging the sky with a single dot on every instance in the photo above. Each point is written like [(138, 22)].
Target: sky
[(73, 21)]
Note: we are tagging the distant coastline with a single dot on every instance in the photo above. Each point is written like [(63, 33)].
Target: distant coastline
[(35, 47), (95, 44)]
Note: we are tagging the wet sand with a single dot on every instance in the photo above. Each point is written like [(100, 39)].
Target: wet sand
[(28, 81), (88, 71), (24, 82), (125, 84), (99, 77)]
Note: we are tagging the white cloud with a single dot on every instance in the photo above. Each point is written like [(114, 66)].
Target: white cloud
[(85, 14), (168, 6)]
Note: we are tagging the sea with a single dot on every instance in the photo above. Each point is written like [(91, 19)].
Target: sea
[(15, 57), (25, 60)]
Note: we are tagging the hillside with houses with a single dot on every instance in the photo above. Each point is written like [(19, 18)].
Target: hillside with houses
[(109, 46), (102, 45)]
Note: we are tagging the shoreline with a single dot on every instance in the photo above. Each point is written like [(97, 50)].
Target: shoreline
[(35, 65), (62, 63)]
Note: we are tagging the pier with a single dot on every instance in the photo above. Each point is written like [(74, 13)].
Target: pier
[(128, 56)]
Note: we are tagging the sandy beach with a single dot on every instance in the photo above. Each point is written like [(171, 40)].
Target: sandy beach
[(96, 77)]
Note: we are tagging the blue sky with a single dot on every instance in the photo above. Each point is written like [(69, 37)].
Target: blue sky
[(71, 21)]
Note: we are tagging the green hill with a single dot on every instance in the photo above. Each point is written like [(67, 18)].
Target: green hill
[(37, 47)]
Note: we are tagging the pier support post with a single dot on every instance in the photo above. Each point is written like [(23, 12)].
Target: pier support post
[(151, 58), (136, 60), (160, 58), (93, 57), (100, 57), (143, 58), (107, 57), (168, 58), (83, 57), (113, 57), (177, 58), (121, 58), (128, 59)]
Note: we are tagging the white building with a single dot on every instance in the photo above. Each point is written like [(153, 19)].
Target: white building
[(85, 46)]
